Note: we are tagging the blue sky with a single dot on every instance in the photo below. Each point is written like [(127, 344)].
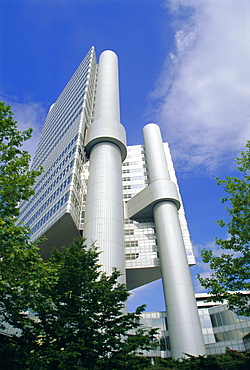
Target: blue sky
[(184, 64)]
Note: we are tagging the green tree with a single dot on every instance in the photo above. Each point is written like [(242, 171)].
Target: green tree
[(231, 360), (83, 325), (16, 178), (22, 271), (231, 270)]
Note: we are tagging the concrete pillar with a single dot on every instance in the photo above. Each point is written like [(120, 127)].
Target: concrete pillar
[(183, 319), (106, 148)]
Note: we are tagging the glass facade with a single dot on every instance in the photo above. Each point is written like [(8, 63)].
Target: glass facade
[(59, 189), (221, 328)]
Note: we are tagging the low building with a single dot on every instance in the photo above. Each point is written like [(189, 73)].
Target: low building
[(221, 327)]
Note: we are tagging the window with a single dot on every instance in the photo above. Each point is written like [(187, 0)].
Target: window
[(131, 243), (128, 232), (128, 221), (126, 187), (131, 256)]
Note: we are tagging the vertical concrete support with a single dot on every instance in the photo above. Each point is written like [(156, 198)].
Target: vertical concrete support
[(106, 148), (183, 320)]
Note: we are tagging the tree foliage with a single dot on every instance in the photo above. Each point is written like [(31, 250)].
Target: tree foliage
[(231, 270), (81, 322), (16, 178), (22, 271), (231, 360)]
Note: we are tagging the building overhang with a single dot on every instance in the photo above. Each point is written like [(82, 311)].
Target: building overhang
[(140, 207), (62, 233), (138, 276)]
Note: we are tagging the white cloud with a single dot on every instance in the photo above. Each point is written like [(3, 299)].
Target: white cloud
[(204, 268), (150, 294), (203, 93), (29, 114)]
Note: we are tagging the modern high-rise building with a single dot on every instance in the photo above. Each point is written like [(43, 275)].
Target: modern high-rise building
[(124, 199)]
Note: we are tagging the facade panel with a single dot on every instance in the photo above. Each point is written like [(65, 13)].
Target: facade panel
[(60, 152)]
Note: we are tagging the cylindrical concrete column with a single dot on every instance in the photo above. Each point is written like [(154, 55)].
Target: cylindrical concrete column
[(104, 209), (156, 160), (107, 103), (106, 148), (183, 319)]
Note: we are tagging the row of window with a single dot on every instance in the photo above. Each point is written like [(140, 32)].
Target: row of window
[(136, 149), (128, 221), (132, 243), (139, 186), (225, 318), (139, 170), (61, 112), (77, 185), (145, 257), (47, 191), (134, 154), (131, 256), (75, 202), (54, 125), (129, 232), (68, 98), (26, 205), (165, 344), (82, 217), (135, 178), (155, 320), (49, 214), (81, 154), (63, 107), (59, 158), (59, 138), (72, 94), (48, 202), (231, 335), (135, 163), (205, 318), (69, 95), (135, 191), (77, 79), (61, 175)]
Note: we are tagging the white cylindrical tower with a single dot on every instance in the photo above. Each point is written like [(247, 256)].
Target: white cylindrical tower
[(106, 148), (183, 319)]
